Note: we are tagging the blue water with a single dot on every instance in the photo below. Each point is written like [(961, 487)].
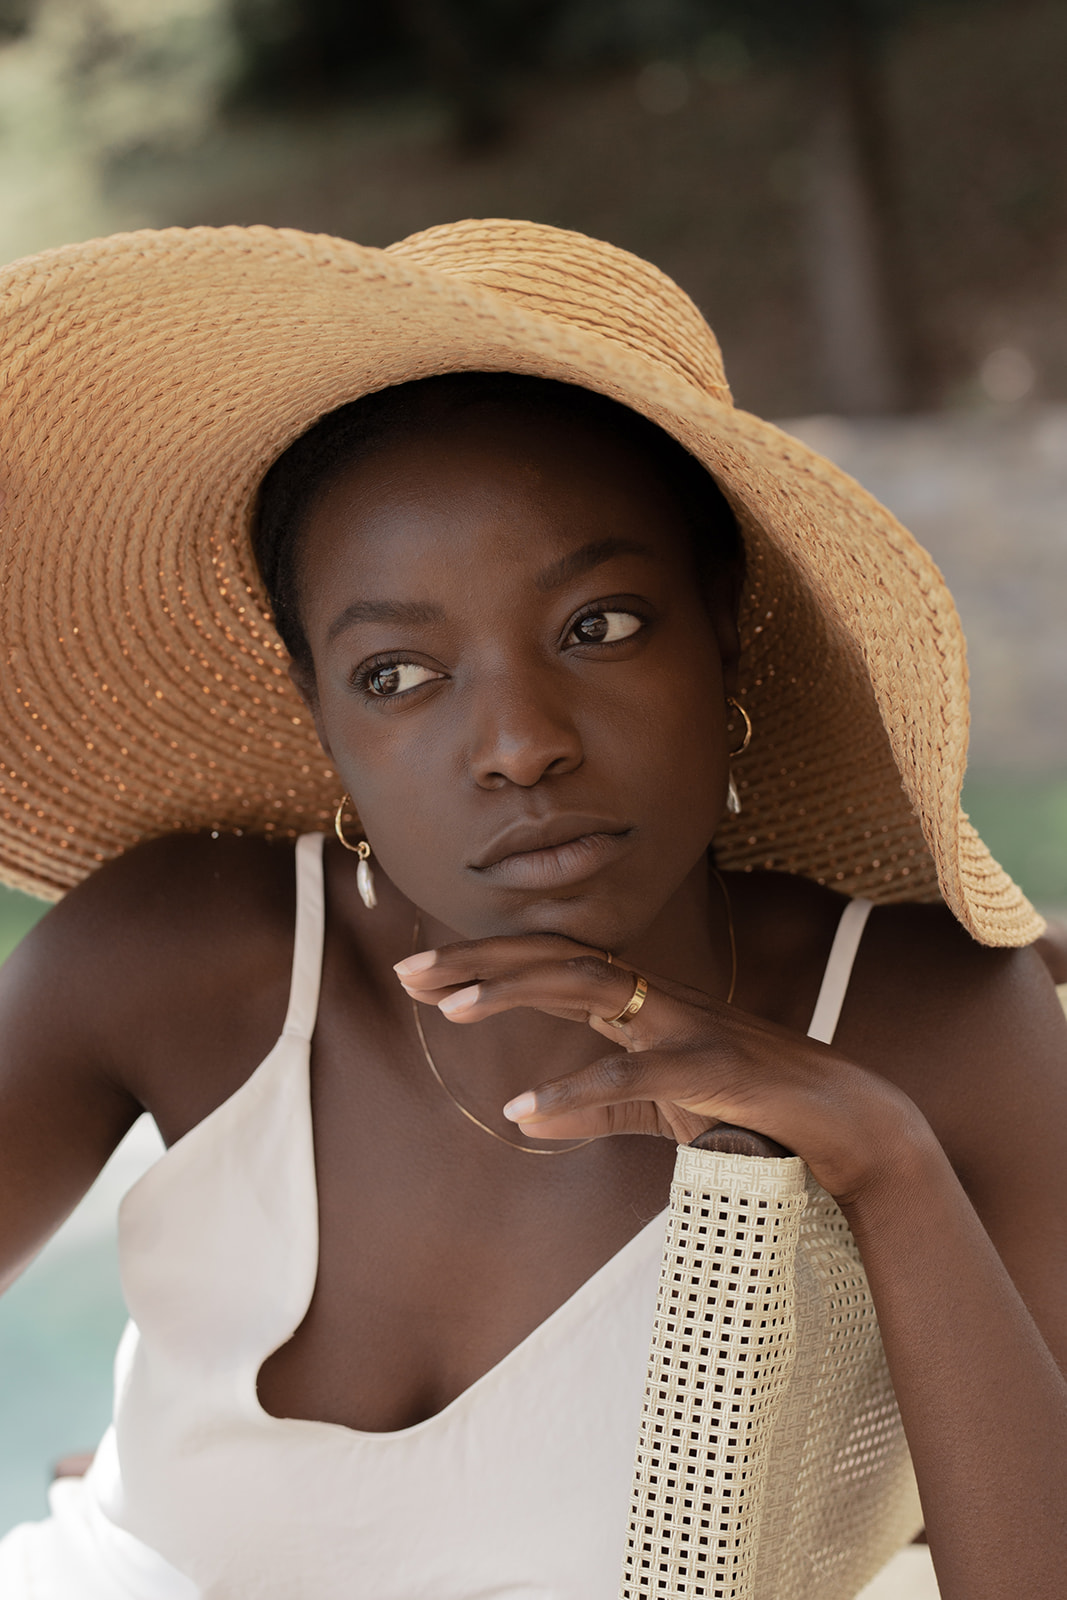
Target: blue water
[(59, 1326), (60, 1323)]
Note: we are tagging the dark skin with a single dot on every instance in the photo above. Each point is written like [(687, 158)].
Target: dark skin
[(586, 681)]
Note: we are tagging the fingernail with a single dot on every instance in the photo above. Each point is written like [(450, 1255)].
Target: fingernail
[(462, 1000), (416, 963), (522, 1107)]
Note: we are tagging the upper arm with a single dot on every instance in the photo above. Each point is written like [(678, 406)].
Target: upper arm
[(1008, 1136), (157, 984), (978, 1039), (62, 1109)]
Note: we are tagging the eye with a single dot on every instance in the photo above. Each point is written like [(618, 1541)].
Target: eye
[(396, 677), (605, 627)]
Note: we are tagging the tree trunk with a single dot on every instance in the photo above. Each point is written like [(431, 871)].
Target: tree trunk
[(860, 296), (444, 38)]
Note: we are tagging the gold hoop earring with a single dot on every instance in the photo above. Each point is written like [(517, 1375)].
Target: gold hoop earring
[(747, 720), (364, 875), (733, 798)]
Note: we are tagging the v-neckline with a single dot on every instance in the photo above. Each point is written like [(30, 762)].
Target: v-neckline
[(600, 1280)]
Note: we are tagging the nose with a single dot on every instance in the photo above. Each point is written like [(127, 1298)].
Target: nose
[(523, 734)]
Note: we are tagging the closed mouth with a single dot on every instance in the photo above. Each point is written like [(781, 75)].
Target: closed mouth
[(564, 861), (530, 839)]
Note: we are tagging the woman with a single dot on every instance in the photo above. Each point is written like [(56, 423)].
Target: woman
[(379, 1350)]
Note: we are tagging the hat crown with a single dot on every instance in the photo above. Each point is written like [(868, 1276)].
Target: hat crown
[(582, 282)]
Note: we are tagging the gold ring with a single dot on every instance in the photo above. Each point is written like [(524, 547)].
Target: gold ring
[(633, 1005)]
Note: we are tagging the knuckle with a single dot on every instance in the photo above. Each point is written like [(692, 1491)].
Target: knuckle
[(461, 950), (618, 1074), (591, 970), (560, 1094)]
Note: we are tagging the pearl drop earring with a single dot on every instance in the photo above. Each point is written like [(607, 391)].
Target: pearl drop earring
[(364, 875)]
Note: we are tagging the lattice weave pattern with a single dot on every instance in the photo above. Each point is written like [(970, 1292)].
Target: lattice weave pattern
[(771, 1461), (723, 1345)]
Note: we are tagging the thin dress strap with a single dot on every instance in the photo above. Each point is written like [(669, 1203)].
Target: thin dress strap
[(838, 971), (307, 945)]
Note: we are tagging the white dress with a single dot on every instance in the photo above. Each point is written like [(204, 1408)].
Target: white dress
[(517, 1490)]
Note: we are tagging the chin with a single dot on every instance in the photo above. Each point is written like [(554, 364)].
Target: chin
[(601, 921)]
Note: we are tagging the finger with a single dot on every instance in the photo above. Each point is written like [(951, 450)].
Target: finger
[(644, 1117), (601, 1122), (470, 961), (473, 1002), (434, 997), (612, 1081), (583, 986), (680, 1080)]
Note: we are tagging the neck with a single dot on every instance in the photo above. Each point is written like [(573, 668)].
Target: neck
[(689, 941)]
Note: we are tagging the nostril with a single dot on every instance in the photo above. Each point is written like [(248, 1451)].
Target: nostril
[(549, 751)]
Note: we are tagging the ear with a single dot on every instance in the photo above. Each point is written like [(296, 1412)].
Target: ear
[(302, 678)]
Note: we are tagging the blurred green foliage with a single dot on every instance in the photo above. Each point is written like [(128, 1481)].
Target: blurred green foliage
[(471, 52), (18, 913), (1024, 823), (293, 46), (464, 51), (15, 18)]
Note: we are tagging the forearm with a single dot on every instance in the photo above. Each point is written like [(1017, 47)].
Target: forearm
[(983, 1403)]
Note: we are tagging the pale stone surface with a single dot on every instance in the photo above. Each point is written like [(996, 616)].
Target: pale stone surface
[(986, 493)]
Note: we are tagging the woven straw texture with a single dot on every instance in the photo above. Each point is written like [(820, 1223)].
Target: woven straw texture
[(771, 1462), (148, 380)]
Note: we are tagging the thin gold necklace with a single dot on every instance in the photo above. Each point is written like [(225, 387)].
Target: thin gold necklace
[(528, 1149), (721, 881)]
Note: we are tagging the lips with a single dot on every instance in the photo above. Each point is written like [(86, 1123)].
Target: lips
[(552, 852)]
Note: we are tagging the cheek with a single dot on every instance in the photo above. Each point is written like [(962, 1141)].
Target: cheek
[(679, 706), (681, 764), (406, 790), (422, 823)]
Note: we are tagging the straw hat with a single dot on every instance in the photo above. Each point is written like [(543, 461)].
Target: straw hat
[(150, 379)]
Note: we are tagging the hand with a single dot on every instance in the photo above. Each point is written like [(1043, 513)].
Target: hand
[(685, 1062)]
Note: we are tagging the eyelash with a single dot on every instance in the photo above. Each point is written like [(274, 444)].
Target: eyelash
[(360, 679), (600, 608)]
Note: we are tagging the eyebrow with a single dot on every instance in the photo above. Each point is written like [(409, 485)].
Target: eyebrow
[(573, 565), (384, 611), (585, 559)]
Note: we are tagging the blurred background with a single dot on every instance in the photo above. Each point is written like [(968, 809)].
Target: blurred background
[(867, 198)]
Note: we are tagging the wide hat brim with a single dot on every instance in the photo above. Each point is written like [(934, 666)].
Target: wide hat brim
[(148, 381)]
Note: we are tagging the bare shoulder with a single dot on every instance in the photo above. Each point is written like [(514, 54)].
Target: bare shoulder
[(976, 1036), (155, 985), (178, 933), (168, 899), (785, 927)]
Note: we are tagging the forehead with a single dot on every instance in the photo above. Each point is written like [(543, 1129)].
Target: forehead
[(509, 481)]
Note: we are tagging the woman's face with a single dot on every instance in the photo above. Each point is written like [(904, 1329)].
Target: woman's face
[(518, 675)]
